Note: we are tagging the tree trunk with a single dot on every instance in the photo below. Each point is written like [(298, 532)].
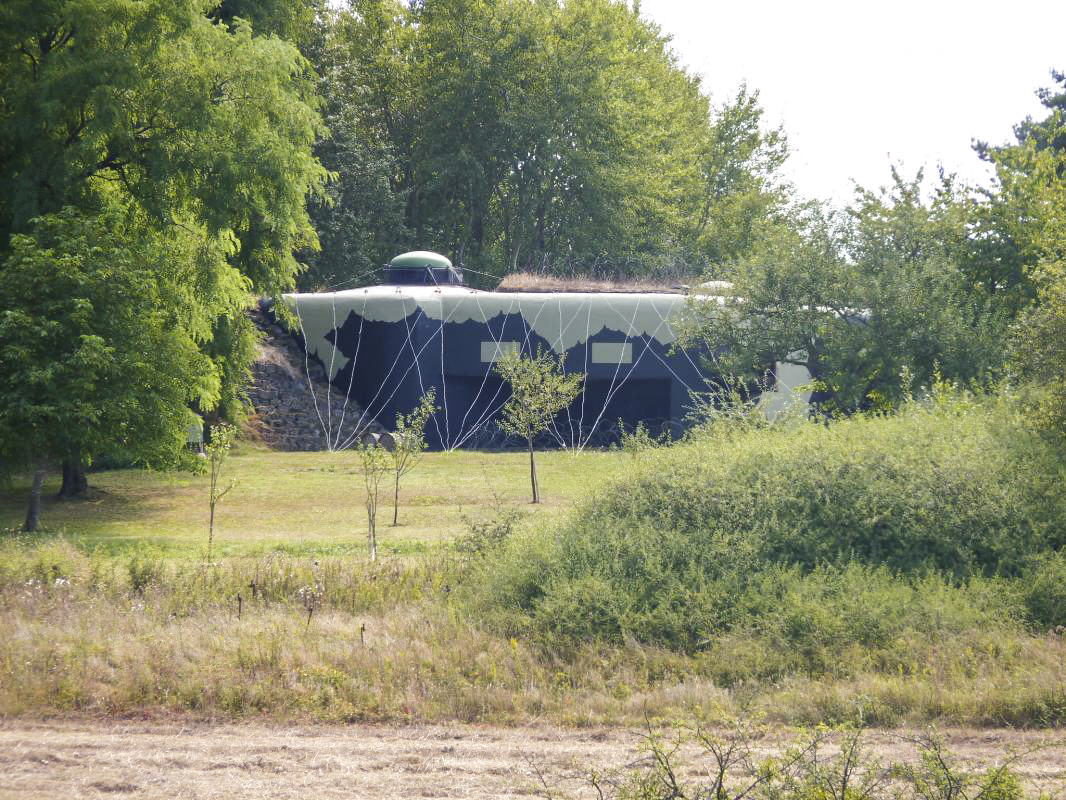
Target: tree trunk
[(396, 503), (371, 530), (533, 472), (211, 524), (75, 484), (33, 513)]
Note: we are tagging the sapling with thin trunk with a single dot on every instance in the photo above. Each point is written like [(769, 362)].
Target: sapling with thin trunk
[(375, 463), (410, 438), (218, 450), (540, 389)]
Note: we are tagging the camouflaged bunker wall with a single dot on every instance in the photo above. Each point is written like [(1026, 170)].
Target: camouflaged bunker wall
[(385, 346)]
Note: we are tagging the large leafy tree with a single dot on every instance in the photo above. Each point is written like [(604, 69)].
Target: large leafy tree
[(554, 136), (743, 187), (858, 299), (295, 21), (361, 58), (1022, 230), (1009, 240), (167, 132), (521, 134), (96, 345), (1039, 351)]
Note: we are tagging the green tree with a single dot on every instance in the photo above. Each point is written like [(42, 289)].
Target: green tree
[(374, 464), (218, 450), (410, 444), (518, 134), (1039, 342), (1046, 133), (1008, 239), (92, 346), (855, 298), (360, 57), (539, 390), (1024, 216), (292, 20), (743, 188), (153, 124), (1039, 353)]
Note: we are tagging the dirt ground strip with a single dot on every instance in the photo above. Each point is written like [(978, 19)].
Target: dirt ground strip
[(85, 759)]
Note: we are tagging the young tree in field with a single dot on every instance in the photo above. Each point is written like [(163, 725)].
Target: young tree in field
[(375, 463), (410, 444), (217, 454), (539, 390)]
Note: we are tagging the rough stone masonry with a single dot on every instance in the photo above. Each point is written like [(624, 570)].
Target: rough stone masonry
[(295, 406)]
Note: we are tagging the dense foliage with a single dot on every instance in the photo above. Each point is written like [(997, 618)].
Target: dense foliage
[(1033, 174), (907, 282), (514, 134), (154, 167), (858, 298), (89, 343), (809, 533)]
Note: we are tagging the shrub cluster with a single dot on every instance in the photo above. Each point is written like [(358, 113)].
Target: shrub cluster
[(823, 764), (812, 535)]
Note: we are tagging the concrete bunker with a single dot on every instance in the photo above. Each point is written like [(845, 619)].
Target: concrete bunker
[(384, 346)]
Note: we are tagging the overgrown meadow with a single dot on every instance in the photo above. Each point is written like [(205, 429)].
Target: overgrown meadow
[(887, 569)]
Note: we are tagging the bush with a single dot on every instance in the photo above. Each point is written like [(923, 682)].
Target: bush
[(1044, 591), (824, 764), (817, 534), (956, 486)]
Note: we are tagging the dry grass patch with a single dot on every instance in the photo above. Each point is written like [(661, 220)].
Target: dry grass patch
[(532, 282), (134, 635), (166, 759)]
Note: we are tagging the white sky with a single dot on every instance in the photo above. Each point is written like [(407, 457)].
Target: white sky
[(860, 85)]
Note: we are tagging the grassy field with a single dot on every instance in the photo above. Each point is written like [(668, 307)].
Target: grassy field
[(563, 619), (305, 502)]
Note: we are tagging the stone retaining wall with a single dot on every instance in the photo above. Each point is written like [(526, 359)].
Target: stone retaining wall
[(295, 406)]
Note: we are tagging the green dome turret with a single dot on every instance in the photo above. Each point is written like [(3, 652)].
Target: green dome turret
[(422, 268)]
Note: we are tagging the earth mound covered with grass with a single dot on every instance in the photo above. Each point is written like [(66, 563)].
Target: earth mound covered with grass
[(781, 547)]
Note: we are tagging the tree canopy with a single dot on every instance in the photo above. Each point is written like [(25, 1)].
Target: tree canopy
[(858, 298), (520, 134), (909, 282), (1037, 173), (155, 166)]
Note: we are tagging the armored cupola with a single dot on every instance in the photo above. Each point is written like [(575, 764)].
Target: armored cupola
[(422, 268)]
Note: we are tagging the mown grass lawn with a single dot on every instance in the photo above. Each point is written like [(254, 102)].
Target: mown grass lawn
[(306, 502)]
